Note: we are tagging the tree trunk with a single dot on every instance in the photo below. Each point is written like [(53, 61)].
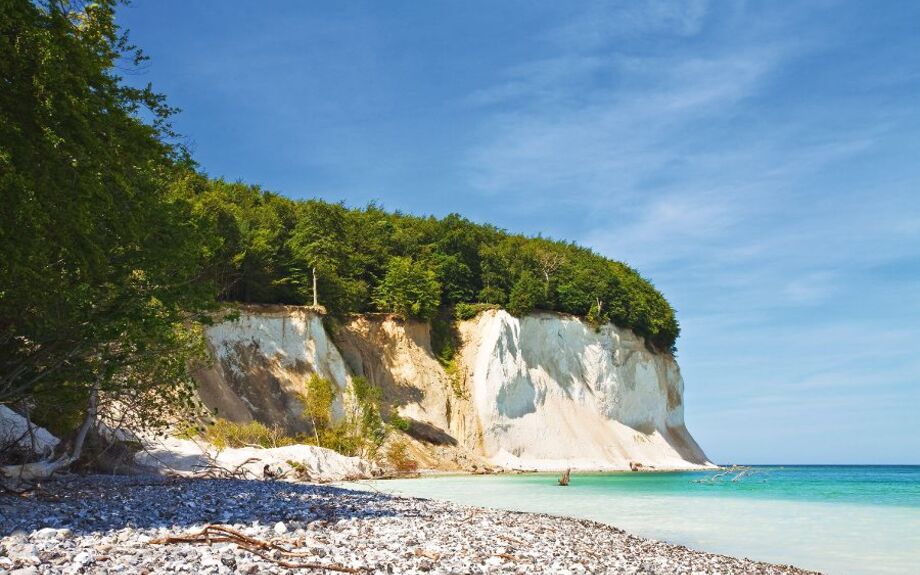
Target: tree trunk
[(315, 292)]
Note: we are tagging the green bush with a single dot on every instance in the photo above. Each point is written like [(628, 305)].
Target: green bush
[(525, 295), (367, 422), (399, 459), (464, 311), (399, 422), (223, 434), (409, 289), (317, 404), (453, 371), (492, 295)]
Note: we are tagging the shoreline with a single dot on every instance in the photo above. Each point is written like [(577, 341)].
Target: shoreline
[(112, 523), (434, 472)]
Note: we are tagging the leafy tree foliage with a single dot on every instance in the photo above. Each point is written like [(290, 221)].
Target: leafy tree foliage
[(409, 288), (372, 260), (102, 273), (525, 295), (317, 404)]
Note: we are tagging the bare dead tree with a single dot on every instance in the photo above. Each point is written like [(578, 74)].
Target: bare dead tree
[(315, 289), (549, 262)]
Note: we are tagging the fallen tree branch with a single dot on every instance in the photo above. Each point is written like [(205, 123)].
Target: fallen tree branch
[(511, 539), (214, 471), (224, 534)]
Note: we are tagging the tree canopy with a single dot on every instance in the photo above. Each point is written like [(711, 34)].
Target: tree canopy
[(369, 259), (102, 273)]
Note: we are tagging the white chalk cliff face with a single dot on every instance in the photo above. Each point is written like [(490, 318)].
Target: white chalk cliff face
[(543, 392), (552, 392), (262, 363)]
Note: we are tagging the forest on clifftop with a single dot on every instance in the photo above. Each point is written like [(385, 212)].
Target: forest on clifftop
[(368, 259)]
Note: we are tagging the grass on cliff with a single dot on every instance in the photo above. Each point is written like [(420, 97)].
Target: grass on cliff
[(224, 434)]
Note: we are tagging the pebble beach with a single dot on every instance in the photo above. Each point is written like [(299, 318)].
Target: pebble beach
[(105, 524)]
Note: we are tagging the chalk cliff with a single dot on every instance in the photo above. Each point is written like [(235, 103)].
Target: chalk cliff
[(551, 392), (542, 392), (262, 362)]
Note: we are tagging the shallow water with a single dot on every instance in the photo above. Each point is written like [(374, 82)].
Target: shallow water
[(837, 519)]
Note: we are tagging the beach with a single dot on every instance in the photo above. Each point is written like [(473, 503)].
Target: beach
[(846, 520), (104, 524)]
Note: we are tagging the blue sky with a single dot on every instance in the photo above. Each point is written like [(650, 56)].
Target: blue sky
[(759, 161)]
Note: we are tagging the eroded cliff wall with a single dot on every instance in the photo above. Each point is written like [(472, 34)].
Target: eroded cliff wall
[(543, 392), (552, 392), (262, 361)]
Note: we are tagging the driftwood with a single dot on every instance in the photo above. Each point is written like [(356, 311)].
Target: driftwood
[(564, 480), (224, 534), (214, 471), (26, 473), (434, 556)]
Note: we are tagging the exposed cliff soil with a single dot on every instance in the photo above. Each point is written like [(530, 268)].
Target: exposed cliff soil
[(396, 356), (262, 362)]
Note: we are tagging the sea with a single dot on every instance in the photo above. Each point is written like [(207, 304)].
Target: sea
[(829, 518)]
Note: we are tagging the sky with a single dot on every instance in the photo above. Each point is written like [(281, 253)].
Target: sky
[(758, 161)]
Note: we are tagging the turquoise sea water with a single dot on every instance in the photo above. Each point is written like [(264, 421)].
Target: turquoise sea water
[(836, 519)]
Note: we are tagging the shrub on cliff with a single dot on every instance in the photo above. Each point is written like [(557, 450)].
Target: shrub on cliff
[(223, 434), (464, 311), (525, 295)]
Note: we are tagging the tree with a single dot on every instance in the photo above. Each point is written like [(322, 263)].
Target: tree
[(549, 260), (321, 251), (103, 257), (318, 400), (525, 295), (366, 420), (409, 289), (455, 278)]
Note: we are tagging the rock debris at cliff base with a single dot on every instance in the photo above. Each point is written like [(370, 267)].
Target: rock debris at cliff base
[(108, 525)]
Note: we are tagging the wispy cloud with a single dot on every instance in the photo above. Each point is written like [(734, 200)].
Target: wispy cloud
[(603, 22)]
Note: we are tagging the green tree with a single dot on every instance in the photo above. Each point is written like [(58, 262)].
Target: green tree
[(409, 288), (367, 422), (322, 255), (317, 404), (103, 256), (455, 277), (525, 295)]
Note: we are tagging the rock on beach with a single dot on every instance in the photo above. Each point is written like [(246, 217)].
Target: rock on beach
[(105, 524)]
